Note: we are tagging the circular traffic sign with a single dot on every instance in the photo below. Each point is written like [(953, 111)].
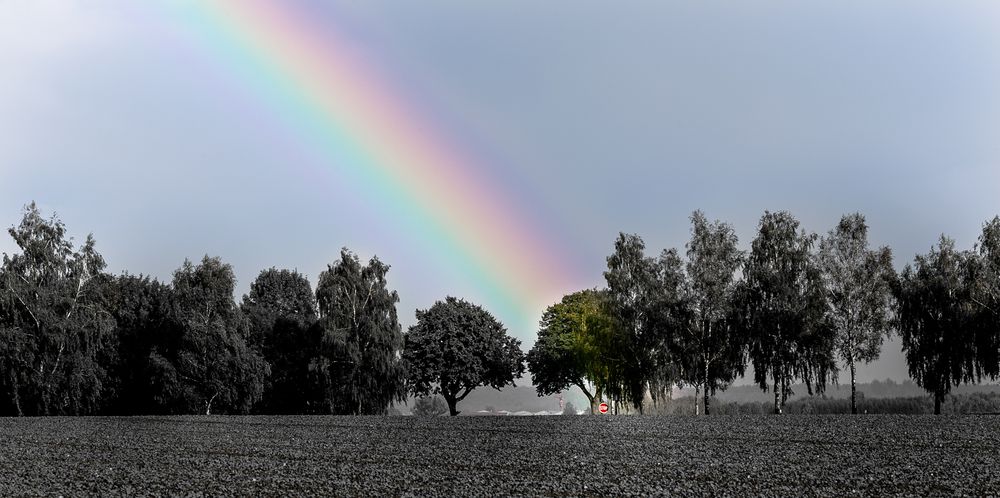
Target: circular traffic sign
[(603, 408)]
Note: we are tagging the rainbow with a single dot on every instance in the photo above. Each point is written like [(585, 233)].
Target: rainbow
[(371, 138)]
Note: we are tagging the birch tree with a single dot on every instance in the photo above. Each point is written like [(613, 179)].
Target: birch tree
[(632, 282), (55, 328), (362, 339), (986, 296), (858, 283), (208, 368), (783, 310), (711, 347), (936, 317)]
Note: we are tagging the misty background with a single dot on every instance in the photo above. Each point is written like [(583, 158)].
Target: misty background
[(596, 119)]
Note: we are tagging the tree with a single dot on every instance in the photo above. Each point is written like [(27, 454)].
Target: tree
[(712, 349), (142, 309), (362, 338), (859, 284), (429, 406), (632, 283), (567, 352), (281, 311), (669, 314), (56, 334), (782, 310), (457, 346), (277, 294), (986, 296), (936, 315), (209, 365)]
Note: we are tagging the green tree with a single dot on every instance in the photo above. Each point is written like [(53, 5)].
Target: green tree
[(859, 285), (362, 338), (936, 314), (457, 346), (209, 366), (567, 352), (281, 311), (782, 310), (711, 347), (56, 334)]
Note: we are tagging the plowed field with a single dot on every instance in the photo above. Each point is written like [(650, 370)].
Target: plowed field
[(488, 456)]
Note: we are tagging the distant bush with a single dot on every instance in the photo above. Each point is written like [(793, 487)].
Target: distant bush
[(569, 409), (913, 405), (430, 406)]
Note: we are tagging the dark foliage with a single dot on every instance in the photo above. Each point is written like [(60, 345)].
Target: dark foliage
[(457, 346), (56, 330), (143, 309), (281, 311), (209, 365), (75, 340), (782, 305), (936, 317), (359, 365)]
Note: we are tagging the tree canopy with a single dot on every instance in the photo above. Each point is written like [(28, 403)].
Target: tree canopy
[(568, 349), (209, 366), (935, 319), (859, 283), (457, 346), (635, 362), (362, 338), (710, 345), (281, 313), (783, 309), (55, 327), (75, 340)]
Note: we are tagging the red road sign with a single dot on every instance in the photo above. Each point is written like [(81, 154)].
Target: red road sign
[(603, 408)]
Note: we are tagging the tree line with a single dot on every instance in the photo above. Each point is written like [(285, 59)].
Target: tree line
[(75, 340), (793, 307)]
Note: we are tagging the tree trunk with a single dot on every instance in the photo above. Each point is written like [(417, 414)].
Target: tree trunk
[(854, 389), (777, 405), (590, 398), (697, 389), (208, 405), (706, 388), (938, 398), (452, 404), (784, 392), (779, 390), (15, 390)]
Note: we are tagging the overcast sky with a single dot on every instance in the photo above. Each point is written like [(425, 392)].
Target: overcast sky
[(597, 117)]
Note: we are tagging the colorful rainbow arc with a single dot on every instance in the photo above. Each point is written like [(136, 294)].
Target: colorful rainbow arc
[(373, 140)]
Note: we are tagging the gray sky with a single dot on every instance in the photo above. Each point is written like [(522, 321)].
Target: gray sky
[(594, 119)]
